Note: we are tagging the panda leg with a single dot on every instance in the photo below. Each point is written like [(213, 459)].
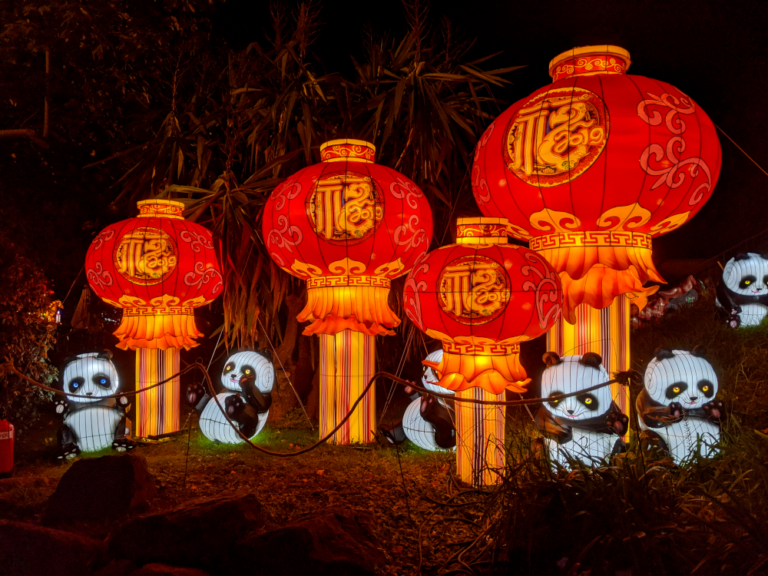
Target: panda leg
[(121, 443), (394, 434), (68, 448), (656, 439), (197, 397), (438, 415), (242, 414)]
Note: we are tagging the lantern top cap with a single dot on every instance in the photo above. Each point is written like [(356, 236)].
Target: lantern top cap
[(160, 208), (481, 230), (589, 60), (347, 150)]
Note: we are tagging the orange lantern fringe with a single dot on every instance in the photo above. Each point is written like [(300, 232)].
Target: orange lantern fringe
[(364, 309), (160, 324)]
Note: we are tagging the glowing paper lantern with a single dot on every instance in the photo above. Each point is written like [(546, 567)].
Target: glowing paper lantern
[(582, 427), (158, 268), (247, 379), (743, 291), (481, 297), (589, 169), (347, 226), (93, 423), (678, 405)]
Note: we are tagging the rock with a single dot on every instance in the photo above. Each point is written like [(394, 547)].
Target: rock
[(165, 570), (338, 543), (27, 549), (101, 489), (200, 533)]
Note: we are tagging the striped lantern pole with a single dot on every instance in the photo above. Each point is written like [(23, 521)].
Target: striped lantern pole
[(347, 226)]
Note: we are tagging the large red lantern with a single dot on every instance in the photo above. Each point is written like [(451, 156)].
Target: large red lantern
[(348, 227), (589, 170), (481, 297), (157, 268)]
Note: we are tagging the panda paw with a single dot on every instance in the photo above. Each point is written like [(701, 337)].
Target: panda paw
[(734, 320), (61, 406), (123, 401), (195, 393), (123, 445), (618, 422), (67, 452), (234, 406), (676, 411), (714, 411)]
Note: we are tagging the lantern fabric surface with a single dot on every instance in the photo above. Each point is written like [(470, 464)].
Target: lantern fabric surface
[(347, 226), (481, 297), (157, 268), (592, 167)]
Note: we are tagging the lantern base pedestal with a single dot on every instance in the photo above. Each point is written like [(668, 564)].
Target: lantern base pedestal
[(347, 363), (479, 438), (605, 332), (157, 410)]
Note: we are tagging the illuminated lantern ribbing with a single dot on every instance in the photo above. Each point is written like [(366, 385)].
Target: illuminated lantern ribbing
[(589, 169), (157, 268), (347, 226), (481, 297)]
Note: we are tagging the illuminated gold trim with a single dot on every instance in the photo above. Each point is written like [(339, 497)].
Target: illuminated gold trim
[(600, 50), (482, 240), (174, 209), (340, 141), (325, 281), (592, 239)]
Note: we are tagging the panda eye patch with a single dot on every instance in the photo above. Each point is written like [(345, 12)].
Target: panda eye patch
[(589, 401), (75, 384), (554, 399), (674, 390), (707, 388), (248, 370), (747, 281), (228, 368), (102, 380), (765, 280)]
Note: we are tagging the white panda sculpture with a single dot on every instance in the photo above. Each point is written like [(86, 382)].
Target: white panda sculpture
[(587, 427), (92, 420), (678, 405), (247, 378), (428, 421), (743, 292)]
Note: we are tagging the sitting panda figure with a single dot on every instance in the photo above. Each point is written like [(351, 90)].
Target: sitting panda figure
[(428, 421), (677, 407), (247, 378), (743, 292), (92, 420), (586, 427)]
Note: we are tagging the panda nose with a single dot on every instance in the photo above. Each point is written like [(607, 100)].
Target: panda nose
[(694, 398), (569, 411), (89, 393)]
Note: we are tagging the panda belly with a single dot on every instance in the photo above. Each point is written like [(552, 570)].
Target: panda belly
[(214, 424), (418, 430), (94, 427), (591, 448), (752, 314), (684, 437)]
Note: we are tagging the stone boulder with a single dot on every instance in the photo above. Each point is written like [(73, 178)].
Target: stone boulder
[(200, 533), (101, 490), (30, 550), (334, 543)]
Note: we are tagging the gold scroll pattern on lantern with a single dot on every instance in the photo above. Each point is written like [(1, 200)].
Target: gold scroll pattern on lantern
[(345, 208), (473, 290), (556, 136), (145, 256)]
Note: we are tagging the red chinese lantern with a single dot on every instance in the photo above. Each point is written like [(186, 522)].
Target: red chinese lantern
[(347, 226), (481, 297), (158, 268), (590, 169)]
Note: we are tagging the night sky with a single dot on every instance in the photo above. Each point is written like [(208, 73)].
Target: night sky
[(715, 51)]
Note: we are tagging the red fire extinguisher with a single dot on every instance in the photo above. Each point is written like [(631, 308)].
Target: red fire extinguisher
[(6, 446)]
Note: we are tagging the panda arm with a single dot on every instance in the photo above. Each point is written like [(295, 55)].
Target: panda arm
[(725, 300), (549, 427), (653, 416)]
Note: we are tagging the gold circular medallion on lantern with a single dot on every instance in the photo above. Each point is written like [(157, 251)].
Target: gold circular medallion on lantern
[(345, 207), (473, 289), (556, 136), (145, 256)]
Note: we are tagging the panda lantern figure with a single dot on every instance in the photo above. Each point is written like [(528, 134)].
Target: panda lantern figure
[(428, 421), (247, 378), (93, 419), (677, 406), (743, 292), (582, 427)]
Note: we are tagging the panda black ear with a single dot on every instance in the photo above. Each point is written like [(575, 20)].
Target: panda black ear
[(266, 353), (741, 256), (699, 352), (591, 359), (551, 359), (663, 354), (105, 355)]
